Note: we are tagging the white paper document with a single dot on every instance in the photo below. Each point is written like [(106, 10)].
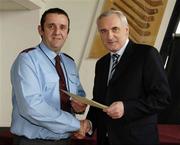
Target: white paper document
[(85, 100)]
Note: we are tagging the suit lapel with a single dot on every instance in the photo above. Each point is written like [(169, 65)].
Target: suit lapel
[(106, 67)]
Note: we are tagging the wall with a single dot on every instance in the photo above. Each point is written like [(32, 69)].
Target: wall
[(88, 65), (18, 30), (1, 109), (81, 14)]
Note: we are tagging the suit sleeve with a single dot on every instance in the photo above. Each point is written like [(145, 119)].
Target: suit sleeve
[(155, 86)]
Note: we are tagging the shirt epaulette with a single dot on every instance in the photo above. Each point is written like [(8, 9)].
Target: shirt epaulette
[(27, 50), (68, 56)]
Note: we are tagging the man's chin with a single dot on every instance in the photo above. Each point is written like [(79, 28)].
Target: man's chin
[(112, 49), (56, 48)]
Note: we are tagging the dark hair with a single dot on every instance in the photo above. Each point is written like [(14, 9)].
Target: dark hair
[(55, 11)]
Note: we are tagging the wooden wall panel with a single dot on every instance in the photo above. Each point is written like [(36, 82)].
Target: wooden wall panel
[(144, 18)]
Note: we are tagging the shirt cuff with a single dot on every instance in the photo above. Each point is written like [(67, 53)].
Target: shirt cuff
[(90, 132)]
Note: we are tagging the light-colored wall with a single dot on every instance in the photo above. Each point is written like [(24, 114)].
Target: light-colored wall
[(88, 65), (80, 13), (1, 109), (18, 30)]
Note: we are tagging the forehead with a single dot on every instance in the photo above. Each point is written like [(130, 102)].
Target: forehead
[(109, 21), (56, 18)]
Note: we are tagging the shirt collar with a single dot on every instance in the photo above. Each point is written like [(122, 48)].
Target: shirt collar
[(121, 50), (51, 54)]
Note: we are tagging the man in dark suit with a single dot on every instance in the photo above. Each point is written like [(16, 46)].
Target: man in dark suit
[(132, 83)]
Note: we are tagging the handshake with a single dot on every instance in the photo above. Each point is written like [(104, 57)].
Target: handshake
[(85, 127), (114, 111)]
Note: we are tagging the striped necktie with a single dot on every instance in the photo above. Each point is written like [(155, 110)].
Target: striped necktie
[(115, 58)]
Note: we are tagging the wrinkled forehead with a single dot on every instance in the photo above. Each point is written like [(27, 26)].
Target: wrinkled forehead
[(109, 22)]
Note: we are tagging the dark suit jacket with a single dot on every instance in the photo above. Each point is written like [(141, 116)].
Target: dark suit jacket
[(140, 82)]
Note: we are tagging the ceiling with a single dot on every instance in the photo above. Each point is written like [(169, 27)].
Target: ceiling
[(6, 5)]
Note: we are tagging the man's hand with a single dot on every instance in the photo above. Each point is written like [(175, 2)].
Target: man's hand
[(84, 128), (77, 106), (115, 110)]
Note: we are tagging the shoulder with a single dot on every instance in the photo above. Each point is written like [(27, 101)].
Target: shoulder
[(28, 50), (148, 53), (25, 57), (30, 54), (145, 49), (103, 59), (66, 55)]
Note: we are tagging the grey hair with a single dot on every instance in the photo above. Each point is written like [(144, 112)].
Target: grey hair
[(120, 14)]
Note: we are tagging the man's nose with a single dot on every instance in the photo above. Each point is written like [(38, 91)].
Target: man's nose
[(57, 30), (110, 34)]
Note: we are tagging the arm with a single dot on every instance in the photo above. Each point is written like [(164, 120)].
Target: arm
[(154, 95), (156, 92), (32, 99), (78, 107)]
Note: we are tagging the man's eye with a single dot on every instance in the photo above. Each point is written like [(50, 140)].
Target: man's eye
[(50, 26), (115, 29), (103, 31), (63, 27)]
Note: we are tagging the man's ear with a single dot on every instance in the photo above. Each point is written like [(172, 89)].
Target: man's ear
[(40, 30)]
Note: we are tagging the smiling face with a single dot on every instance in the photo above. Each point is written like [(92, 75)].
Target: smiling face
[(113, 32), (54, 31)]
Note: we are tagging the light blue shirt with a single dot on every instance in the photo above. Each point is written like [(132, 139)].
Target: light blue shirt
[(35, 95)]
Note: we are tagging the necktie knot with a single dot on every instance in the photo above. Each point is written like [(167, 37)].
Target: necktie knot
[(115, 57), (57, 59)]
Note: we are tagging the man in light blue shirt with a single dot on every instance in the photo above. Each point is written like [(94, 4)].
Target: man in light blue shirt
[(37, 117)]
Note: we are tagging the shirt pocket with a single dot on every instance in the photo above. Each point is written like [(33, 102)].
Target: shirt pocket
[(73, 82), (74, 79), (51, 84)]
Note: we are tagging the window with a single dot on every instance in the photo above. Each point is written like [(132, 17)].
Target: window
[(178, 29)]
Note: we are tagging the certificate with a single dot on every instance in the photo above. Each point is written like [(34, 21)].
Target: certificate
[(85, 100)]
